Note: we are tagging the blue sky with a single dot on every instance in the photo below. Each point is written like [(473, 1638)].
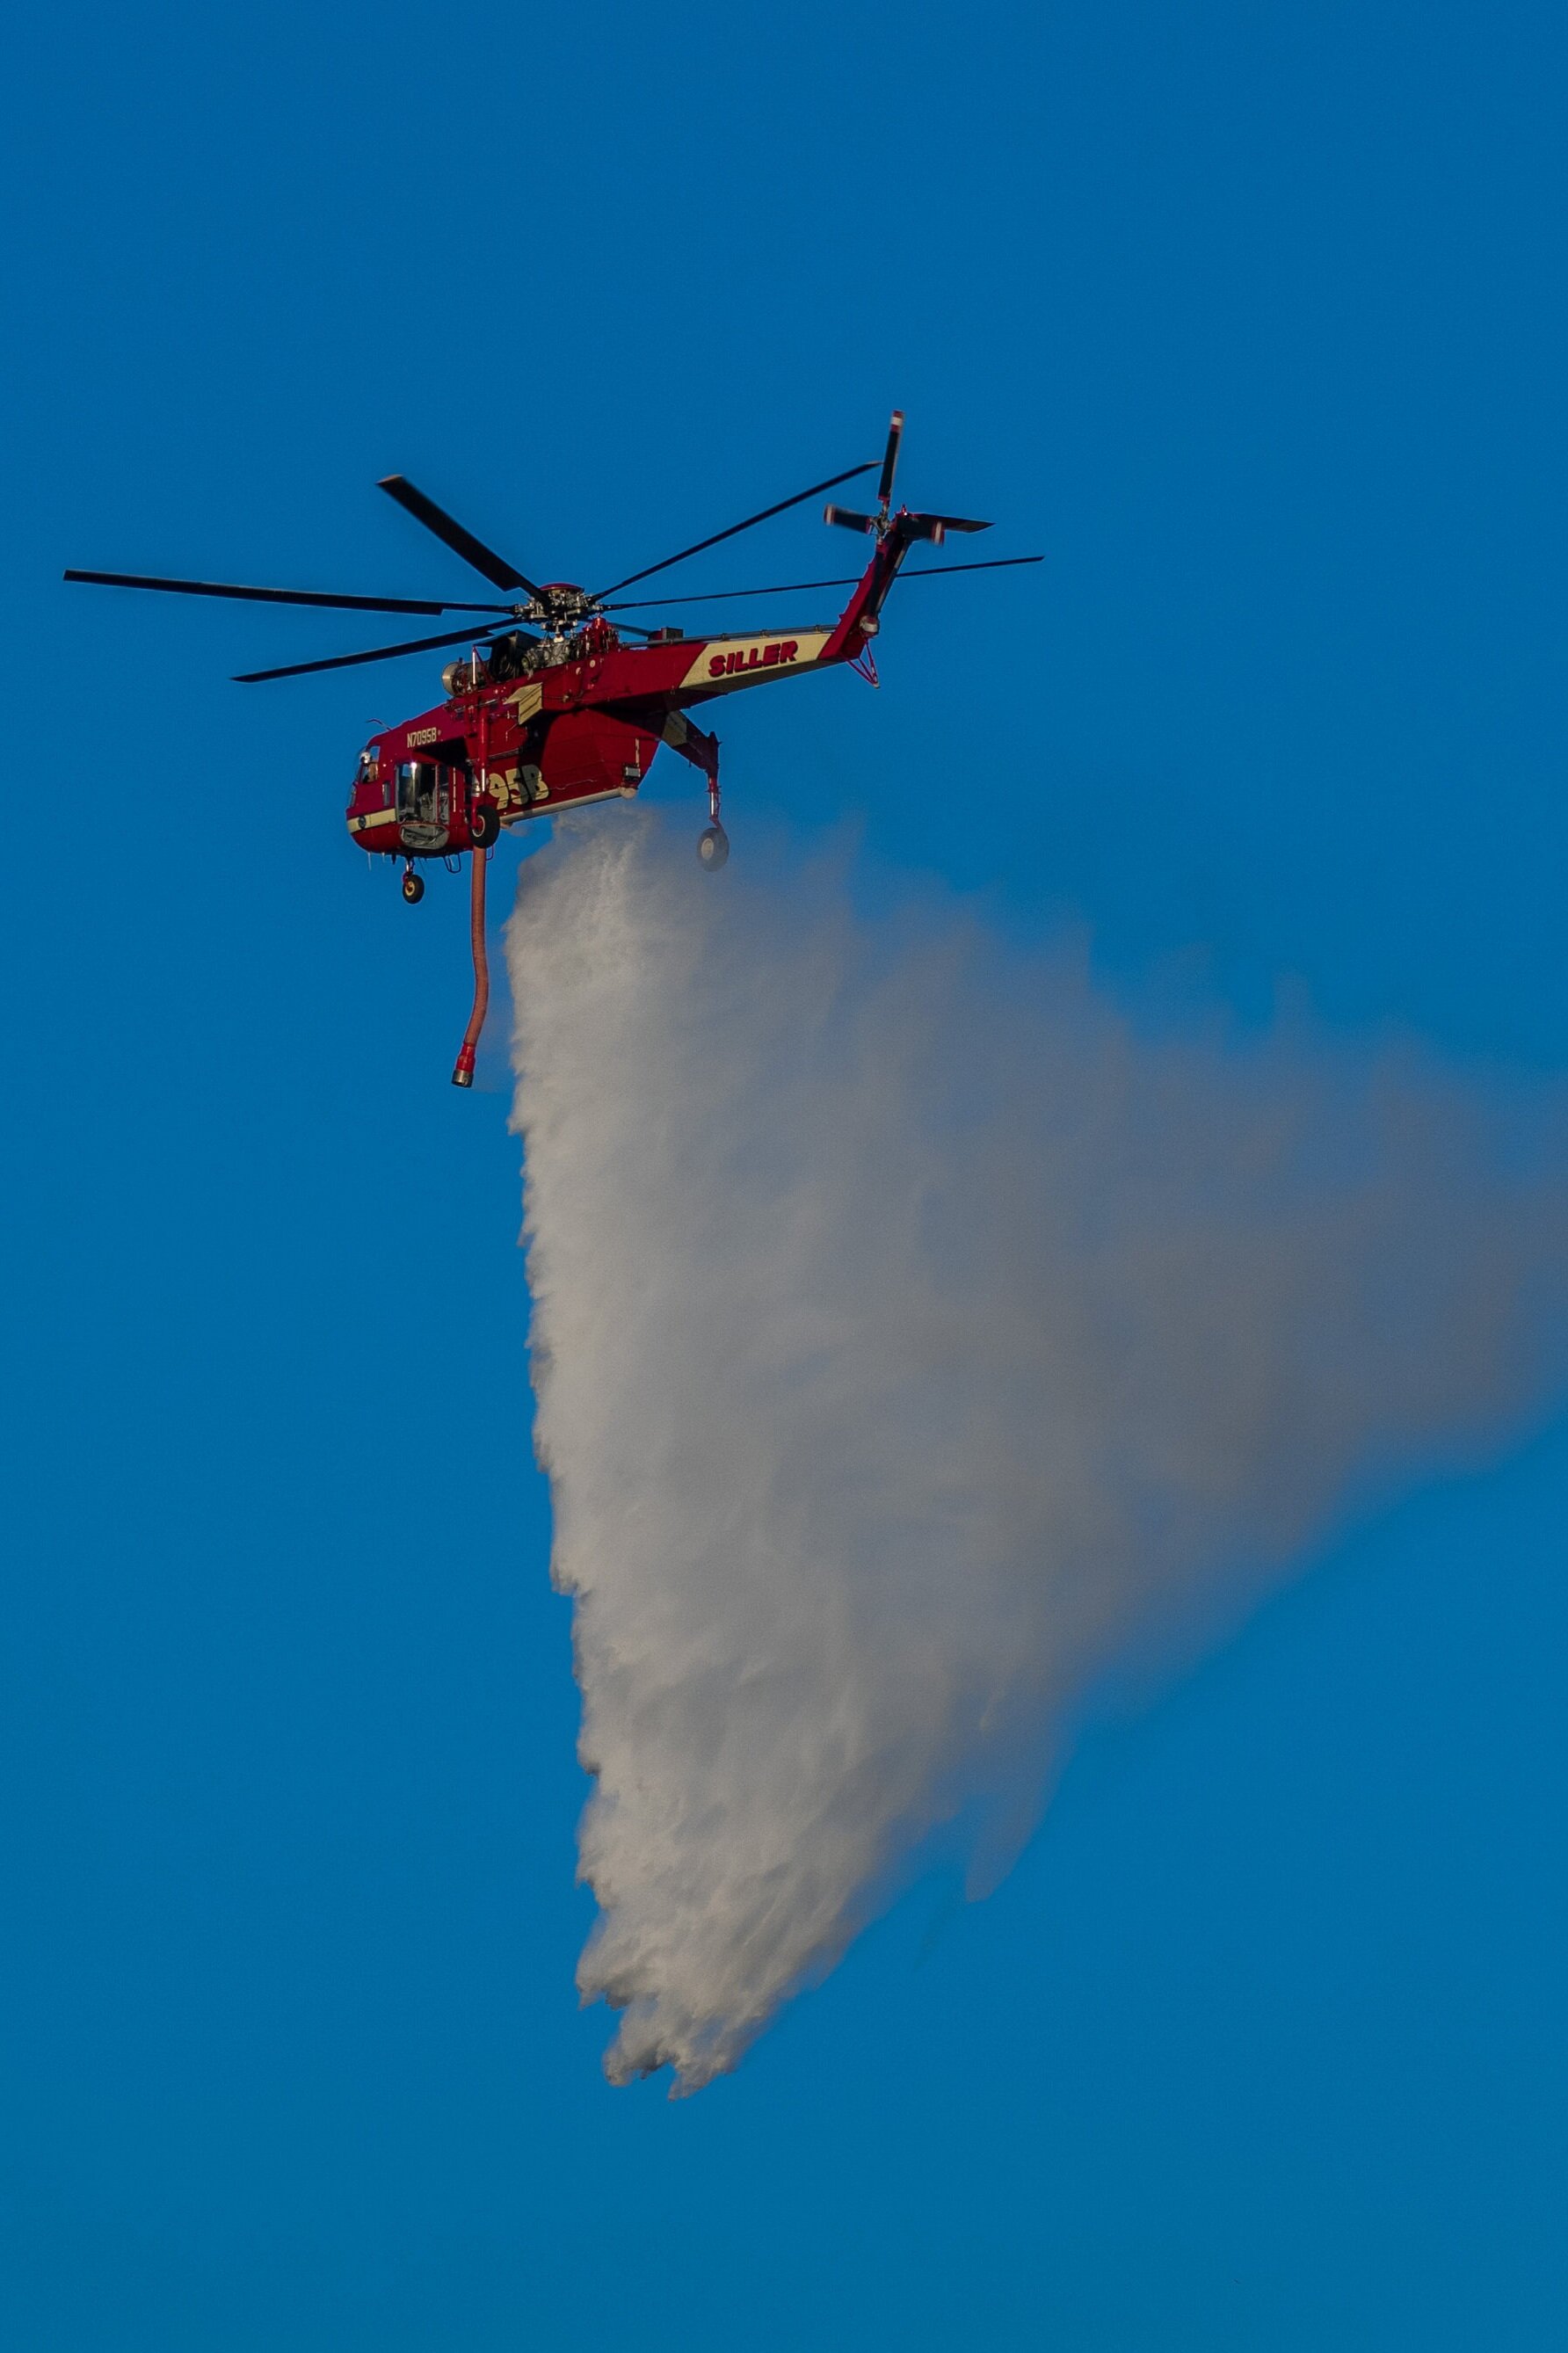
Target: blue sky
[(1252, 320)]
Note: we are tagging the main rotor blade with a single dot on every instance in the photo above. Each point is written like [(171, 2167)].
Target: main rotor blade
[(377, 653), (891, 460), (278, 596), (991, 563), (717, 596), (462, 542), (815, 492), (793, 587), (500, 630)]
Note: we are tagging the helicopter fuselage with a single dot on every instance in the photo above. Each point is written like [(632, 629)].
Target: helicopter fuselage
[(534, 725)]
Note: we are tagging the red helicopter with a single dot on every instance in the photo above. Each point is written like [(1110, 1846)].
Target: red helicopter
[(548, 717)]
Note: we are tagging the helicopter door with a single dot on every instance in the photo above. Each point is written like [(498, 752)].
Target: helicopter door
[(423, 804)]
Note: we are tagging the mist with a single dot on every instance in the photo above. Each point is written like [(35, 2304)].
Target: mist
[(918, 1326)]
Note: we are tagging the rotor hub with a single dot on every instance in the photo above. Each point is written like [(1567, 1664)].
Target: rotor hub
[(559, 605)]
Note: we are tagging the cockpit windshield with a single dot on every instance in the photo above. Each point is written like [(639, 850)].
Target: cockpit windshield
[(365, 774)]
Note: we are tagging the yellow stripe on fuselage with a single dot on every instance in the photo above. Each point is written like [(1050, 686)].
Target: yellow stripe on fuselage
[(720, 664)]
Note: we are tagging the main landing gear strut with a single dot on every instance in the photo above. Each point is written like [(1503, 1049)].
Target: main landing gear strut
[(702, 750), (713, 842)]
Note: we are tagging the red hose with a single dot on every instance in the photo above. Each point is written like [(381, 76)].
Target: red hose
[(463, 1076)]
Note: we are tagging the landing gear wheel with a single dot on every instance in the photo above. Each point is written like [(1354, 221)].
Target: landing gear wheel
[(412, 887), (713, 847), (484, 825)]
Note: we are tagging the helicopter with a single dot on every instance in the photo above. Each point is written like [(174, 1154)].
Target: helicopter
[(551, 708)]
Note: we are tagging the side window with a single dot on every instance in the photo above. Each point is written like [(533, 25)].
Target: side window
[(423, 792)]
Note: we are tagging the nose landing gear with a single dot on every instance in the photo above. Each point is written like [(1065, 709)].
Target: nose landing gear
[(413, 885)]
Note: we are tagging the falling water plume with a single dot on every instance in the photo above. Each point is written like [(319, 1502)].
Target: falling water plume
[(913, 1329)]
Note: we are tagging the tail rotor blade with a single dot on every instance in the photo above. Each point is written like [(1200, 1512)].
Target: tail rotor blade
[(848, 519), (957, 523), (891, 460)]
